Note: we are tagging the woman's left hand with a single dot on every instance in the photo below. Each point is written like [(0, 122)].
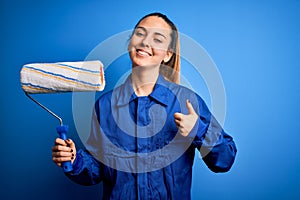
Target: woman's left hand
[(185, 123)]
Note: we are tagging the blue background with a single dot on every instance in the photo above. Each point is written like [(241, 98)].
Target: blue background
[(255, 45)]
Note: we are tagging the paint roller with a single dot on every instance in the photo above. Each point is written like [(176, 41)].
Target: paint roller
[(40, 78)]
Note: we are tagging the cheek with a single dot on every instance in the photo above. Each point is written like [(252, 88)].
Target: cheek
[(160, 53), (134, 41), (130, 49), (160, 49), (130, 45)]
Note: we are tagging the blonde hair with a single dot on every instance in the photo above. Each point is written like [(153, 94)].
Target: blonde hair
[(171, 69)]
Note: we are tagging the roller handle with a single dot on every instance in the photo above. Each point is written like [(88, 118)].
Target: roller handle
[(62, 131)]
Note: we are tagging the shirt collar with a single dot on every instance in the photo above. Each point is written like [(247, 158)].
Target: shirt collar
[(160, 92)]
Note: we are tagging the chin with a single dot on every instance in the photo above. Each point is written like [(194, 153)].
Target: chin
[(140, 63), (143, 62)]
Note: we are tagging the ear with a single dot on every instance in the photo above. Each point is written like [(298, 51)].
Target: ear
[(168, 56)]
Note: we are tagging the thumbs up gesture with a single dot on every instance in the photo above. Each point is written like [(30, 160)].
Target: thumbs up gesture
[(185, 123)]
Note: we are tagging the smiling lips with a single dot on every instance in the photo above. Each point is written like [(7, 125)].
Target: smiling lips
[(143, 53)]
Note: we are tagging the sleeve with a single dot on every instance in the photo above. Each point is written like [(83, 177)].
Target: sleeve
[(216, 147), (87, 170)]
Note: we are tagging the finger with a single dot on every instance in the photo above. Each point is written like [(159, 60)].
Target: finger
[(62, 154), (60, 142), (61, 148), (54, 159), (178, 116), (190, 107), (178, 123), (61, 159), (70, 143)]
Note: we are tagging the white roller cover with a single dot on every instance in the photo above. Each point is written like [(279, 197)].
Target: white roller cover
[(63, 77)]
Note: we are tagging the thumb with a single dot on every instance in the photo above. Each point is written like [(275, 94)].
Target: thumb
[(190, 107), (178, 116), (70, 143)]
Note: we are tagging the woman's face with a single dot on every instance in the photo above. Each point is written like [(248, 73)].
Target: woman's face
[(150, 41)]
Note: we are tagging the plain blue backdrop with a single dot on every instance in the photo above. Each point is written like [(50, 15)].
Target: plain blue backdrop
[(255, 44)]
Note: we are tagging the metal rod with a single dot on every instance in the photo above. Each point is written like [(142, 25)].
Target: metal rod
[(45, 108)]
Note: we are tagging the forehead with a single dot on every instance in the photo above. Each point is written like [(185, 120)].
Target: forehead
[(155, 23)]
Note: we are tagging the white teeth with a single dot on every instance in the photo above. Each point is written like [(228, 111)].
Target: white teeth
[(143, 52)]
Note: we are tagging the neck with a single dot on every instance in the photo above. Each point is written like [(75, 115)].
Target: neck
[(144, 79)]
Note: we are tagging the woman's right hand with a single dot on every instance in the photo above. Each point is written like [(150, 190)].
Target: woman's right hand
[(63, 150)]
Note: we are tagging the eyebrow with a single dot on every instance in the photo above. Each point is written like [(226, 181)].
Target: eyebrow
[(156, 33)]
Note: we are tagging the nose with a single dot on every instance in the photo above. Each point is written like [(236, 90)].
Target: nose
[(146, 41)]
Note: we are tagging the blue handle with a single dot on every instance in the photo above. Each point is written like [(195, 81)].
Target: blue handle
[(62, 131)]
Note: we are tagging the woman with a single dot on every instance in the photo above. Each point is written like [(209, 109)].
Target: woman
[(144, 132)]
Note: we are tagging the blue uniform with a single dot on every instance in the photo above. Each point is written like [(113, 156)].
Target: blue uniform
[(135, 148)]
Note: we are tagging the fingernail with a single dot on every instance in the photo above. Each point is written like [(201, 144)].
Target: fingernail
[(71, 150), (72, 158), (72, 154)]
